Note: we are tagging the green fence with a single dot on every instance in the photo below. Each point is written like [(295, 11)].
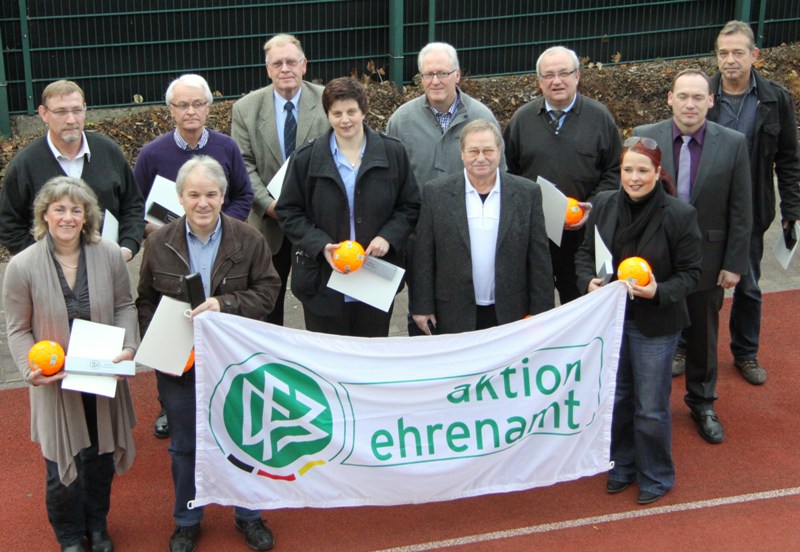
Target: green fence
[(122, 52)]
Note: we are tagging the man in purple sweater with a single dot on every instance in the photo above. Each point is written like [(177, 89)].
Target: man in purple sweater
[(189, 99)]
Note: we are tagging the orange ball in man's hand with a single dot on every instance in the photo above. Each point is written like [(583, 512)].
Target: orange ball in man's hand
[(574, 212), (190, 362), (47, 356), (349, 256), (635, 270)]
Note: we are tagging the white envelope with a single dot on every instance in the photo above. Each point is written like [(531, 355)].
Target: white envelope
[(90, 340), (110, 227), (554, 205), (275, 185), (375, 283), (602, 258), (169, 339), (164, 193), (782, 254)]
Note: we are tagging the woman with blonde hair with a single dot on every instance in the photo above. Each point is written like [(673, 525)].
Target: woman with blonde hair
[(71, 273)]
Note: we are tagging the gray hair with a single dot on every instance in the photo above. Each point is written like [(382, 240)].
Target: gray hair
[(438, 47), (193, 81), (210, 167), (281, 40), (479, 125), (78, 192), (576, 64), (738, 27)]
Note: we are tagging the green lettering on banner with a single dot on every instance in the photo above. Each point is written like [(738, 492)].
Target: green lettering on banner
[(515, 433), (577, 366), (571, 404), (433, 428), (382, 439), (461, 394), (507, 373), (402, 431), (452, 436), (547, 368), (484, 384), (543, 413), (479, 425)]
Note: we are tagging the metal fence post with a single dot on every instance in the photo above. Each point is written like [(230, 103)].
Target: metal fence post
[(762, 14), (742, 10), (431, 20), (5, 119), (396, 46), (26, 54)]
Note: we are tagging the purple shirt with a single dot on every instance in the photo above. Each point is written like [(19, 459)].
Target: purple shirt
[(695, 149)]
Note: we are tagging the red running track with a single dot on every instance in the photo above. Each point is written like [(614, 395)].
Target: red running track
[(742, 495)]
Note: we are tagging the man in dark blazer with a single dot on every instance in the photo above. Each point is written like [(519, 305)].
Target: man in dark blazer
[(482, 256), (716, 181), (259, 127)]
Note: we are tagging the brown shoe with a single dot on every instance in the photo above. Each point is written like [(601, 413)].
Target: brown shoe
[(752, 371)]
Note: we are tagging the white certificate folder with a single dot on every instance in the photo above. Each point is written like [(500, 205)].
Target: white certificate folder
[(169, 338)]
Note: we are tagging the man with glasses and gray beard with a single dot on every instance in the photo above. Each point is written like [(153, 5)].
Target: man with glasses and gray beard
[(67, 150)]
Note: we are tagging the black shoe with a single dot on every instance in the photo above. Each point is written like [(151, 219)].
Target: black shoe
[(184, 539), (99, 541), (161, 425), (646, 497), (678, 363), (708, 425), (752, 371), (256, 533), (73, 547), (614, 487)]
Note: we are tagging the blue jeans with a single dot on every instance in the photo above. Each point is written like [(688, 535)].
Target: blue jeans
[(641, 429), (745, 322), (82, 506), (177, 397)]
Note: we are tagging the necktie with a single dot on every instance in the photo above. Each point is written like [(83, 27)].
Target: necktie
[(289, 129), (555, 119), (685, 170)]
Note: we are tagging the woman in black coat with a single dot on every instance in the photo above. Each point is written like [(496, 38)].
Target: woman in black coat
[(644, 219), (351, 183)]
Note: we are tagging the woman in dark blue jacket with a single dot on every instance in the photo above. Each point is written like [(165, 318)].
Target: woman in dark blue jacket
[(644, 219)]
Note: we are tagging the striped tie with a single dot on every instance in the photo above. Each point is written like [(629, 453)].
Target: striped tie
[(289, 130)]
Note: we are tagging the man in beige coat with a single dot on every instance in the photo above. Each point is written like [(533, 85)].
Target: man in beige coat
[(267, 125)]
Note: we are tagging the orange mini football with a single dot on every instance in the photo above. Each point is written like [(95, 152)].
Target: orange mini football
[(635, 270), (47, 356), (349, 256), (574, 212)]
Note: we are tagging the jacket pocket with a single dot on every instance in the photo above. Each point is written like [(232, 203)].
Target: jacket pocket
[(769, 138), (173, 285), (306, 273), (233, 282)]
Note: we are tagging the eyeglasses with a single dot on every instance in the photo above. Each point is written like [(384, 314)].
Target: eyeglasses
[(76, 111), (473, 153), (184, 106), (441, 75), (562, 75), (649, 143), (290, 63)]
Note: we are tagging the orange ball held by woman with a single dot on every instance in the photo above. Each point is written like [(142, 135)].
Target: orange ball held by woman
[(635, 270), (349, 256), (574, 212), (47, 356)]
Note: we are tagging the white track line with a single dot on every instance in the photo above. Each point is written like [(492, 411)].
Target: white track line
[(633, 514)]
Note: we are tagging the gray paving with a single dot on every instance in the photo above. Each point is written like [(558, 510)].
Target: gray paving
[(773, 278)]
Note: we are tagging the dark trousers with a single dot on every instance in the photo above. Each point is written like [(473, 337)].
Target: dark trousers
[(282, 261), (82, 506), (701, 347), (563, 259), (177, 396), (485, 317), (745, 321), (359, 320)]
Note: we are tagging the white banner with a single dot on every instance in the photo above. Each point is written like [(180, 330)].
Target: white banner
[(289, 418)]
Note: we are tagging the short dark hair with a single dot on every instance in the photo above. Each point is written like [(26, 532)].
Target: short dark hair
[(345, 88), (692, 71)]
